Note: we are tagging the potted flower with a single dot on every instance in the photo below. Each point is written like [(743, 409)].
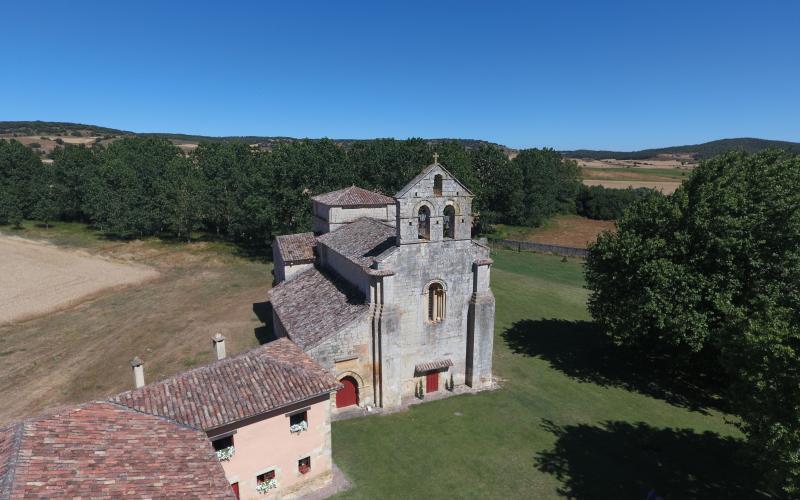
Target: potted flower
[(225, 454), (304, 468), (300, 427), (265, 486)]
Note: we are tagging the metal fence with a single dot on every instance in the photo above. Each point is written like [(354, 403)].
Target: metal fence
[(541, 247)]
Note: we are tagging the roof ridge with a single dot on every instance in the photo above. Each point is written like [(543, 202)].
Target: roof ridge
[(204, 368), (8, 479)]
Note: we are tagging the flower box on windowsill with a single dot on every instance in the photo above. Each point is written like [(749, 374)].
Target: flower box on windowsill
[(304, 469), (225, 454), (298, 428), (266, 486)]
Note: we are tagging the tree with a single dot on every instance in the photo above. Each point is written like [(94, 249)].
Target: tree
[(711, 275), (19, 169), (549, 183), (501, 181), (74, 166)]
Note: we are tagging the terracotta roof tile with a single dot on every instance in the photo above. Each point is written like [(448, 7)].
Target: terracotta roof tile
[(102, 449), (312, 306), (297, 247), (353, 196), (265, 378), (361, 240)]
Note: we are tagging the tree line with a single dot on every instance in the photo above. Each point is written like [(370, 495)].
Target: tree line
[(145, 186), (708, 281)]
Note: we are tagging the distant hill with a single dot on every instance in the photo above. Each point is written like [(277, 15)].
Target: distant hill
[(697, 151), (36, 128)]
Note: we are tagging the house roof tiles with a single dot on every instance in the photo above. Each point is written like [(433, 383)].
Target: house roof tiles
[(297, 248), (102, 449), (353, 196), (361, 240), (260, 380), (312, 306)]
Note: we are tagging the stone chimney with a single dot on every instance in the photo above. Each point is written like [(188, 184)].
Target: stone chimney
[(138, 372), (219, 345)]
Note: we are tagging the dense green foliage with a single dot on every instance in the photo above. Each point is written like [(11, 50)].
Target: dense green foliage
[(142, 186), (601, 203), (701, 151), (710, 276)]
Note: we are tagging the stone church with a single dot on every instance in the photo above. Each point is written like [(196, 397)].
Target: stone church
[(388, 292)]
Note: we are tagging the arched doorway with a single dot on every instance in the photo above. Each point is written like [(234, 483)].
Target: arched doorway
[(347, 395)]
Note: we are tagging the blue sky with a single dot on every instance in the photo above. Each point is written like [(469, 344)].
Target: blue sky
[(562, 74)]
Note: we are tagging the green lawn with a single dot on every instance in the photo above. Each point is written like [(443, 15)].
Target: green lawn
[(574, 418)]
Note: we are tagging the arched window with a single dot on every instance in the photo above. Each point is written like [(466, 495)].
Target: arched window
[(436, 302), (437, 185), (424, 223), (449, 222)]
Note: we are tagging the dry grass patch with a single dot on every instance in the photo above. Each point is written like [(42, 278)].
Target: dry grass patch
[(562, 230), (666, 187)]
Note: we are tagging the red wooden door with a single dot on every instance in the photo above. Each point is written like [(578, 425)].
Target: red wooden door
[(235, 487), (347, 395), (432, 382)]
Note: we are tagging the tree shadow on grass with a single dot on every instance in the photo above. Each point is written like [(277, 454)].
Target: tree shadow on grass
[(625, 460), (580, 350)]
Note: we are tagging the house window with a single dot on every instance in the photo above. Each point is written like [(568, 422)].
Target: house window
[(449, 222), (265, 477), (298, 422), (437, 185), (222, 443), (304, 465), (424, 223), (436, 302)]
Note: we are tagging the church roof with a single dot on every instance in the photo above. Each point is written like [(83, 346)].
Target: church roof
[(102, 449), (353, 196), (361, 240), (312, 306), (296, 248), (272, 376), (425, 171)]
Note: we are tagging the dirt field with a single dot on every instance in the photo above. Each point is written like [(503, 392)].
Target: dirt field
[(83, 352), (668, 187), (37, 278), (563, 230)]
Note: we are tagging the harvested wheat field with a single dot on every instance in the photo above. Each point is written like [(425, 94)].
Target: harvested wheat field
[(37, 278), (664, 187), (83, 352)]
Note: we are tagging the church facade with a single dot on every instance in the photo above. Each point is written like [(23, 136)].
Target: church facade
[(390, 292)]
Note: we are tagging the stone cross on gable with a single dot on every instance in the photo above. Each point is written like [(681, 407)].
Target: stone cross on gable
[(435, 157)]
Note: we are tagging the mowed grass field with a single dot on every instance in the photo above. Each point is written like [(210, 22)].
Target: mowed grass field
[(83, 352), (574, 417)]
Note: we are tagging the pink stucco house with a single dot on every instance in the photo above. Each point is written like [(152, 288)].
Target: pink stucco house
[(266, 413), (252, 426)]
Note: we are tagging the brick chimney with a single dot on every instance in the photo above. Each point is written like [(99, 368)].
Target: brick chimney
[(219, 345), (138, 372)]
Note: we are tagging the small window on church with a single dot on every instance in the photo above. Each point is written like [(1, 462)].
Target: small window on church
[(424, 223), (436, 302), (437, 185), (449, 222)]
